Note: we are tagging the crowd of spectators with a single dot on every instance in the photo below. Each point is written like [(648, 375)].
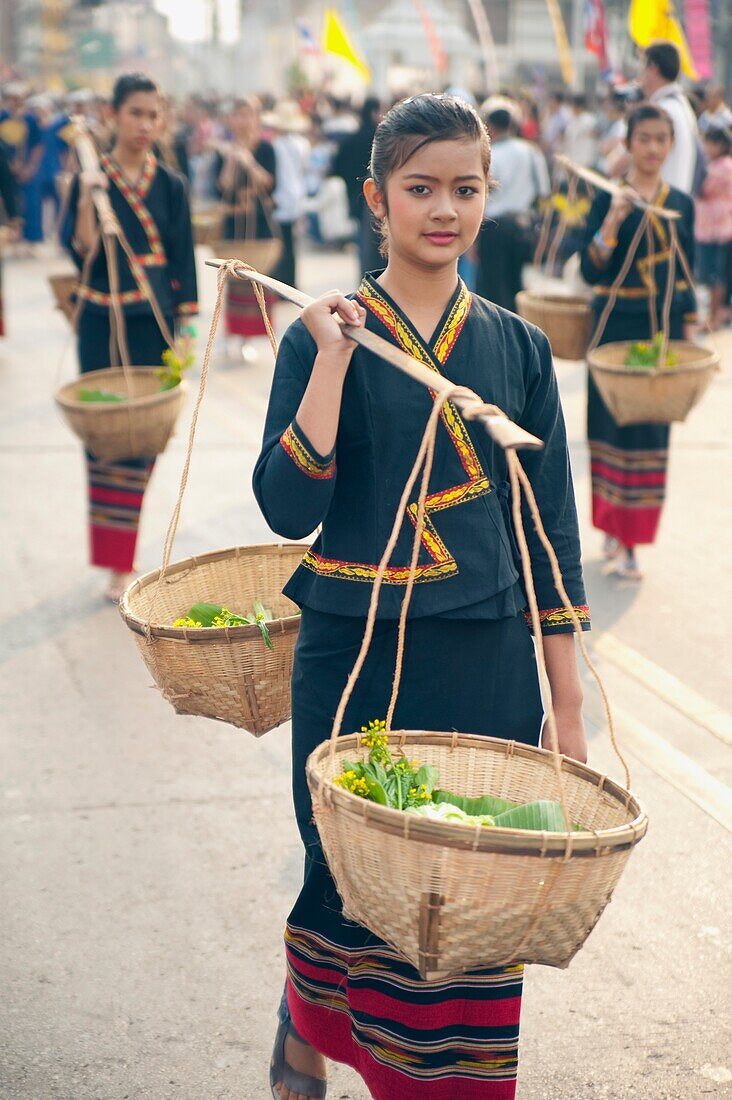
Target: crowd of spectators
[(321, 146)]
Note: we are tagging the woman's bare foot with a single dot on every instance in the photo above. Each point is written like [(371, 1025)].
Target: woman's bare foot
[(118, 582), (303, 1058)]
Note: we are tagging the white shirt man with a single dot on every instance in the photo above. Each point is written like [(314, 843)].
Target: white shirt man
[(660, 84), (520, 171)]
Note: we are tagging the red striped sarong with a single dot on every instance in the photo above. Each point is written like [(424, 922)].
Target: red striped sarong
[(116, 493), (363, 1005)]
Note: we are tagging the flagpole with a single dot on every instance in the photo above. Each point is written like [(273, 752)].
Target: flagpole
[(487, 45)]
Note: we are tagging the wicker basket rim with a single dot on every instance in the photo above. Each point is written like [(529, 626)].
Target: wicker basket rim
[(161, 397), (213, 634), (446, 834), (570, 303), (708, 359)]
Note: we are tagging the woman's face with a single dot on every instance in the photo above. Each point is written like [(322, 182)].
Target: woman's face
[(650, 144), (244, 124), (139, 120), (434, 202)]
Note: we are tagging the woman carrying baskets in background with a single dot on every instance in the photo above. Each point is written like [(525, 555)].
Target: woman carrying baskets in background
[(151, 204), (342, 432), (628, 465), (244, 173)]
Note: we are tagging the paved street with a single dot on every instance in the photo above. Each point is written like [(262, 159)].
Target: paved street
[(149, 860)]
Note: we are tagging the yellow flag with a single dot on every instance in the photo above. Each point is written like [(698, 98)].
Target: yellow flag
[(566, 63), (336, 41), (651, 19)]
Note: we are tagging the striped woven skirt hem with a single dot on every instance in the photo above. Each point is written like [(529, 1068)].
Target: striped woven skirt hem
[(116, 492), (242, 313)]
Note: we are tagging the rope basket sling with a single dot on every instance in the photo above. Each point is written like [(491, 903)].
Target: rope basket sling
[(669, 391), (142, 423), (565, 319), (227, 673)]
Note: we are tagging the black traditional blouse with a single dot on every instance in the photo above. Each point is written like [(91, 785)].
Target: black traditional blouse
[(156, 220), (247, 215), (468, 564), (648, 273)]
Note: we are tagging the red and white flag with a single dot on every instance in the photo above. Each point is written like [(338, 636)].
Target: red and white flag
[(596, 31)]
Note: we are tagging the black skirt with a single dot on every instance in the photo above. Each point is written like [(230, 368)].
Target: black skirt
[(458, 1037)]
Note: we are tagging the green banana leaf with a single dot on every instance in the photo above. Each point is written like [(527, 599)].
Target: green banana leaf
[(99, 395), (476, 807), (205, 613), (543, 816)]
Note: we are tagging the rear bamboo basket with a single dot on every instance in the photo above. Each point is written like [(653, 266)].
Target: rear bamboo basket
[(224, 673), (636, 396), (453, 898), (262, 253), (64, 287), (207, 225), (135, 428), (566, 320)]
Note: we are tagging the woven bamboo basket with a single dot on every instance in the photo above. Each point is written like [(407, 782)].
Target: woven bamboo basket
[(261, 252), (63, 287), (207, 225), (225, 673), (452, 898), (135, 428), (565, 319), (654, 396)]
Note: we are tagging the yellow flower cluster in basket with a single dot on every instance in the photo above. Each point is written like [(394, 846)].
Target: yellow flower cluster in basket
[(407, 785)]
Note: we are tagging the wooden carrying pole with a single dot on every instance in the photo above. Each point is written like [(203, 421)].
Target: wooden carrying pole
[(613, 188), (89, 162), (507, 434)]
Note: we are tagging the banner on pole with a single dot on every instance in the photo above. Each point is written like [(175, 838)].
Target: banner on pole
[(337, 42), (652, 19)]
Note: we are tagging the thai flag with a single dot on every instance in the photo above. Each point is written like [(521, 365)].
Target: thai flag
[(596, 32), (306, 40)]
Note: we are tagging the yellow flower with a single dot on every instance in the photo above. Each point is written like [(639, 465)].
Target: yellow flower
[(187, 621)]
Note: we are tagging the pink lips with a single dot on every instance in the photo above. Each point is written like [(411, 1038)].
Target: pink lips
[(441, 238)]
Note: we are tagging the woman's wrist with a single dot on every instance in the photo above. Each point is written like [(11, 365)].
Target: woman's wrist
[(332, 361)]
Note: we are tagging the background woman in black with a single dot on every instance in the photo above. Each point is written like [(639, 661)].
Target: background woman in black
[(151, 204), (244, 177), (628, 465)]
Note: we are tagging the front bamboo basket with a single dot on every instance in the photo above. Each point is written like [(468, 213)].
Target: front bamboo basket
[(64, 287), (566, 321), (652, 396), (453, 898), (261, 253), (136, 428), (224, 673)]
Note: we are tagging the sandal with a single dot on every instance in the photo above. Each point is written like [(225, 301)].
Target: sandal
[(282, 1073), (628, 569)]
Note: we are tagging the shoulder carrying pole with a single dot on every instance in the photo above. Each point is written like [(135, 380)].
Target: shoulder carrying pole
[(502, 430)]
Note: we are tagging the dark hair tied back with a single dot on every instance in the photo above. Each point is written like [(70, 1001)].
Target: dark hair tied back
[(419, 121), (647, 112), (129, 83)]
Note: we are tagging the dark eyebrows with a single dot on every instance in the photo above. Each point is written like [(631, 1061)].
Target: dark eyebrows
[(434, 179)]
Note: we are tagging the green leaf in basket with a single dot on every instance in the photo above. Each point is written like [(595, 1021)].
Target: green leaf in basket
[(99, 395), (205, 613), (376, 792), (427, 776), (484, 804), (541, 816), (262, 616)]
